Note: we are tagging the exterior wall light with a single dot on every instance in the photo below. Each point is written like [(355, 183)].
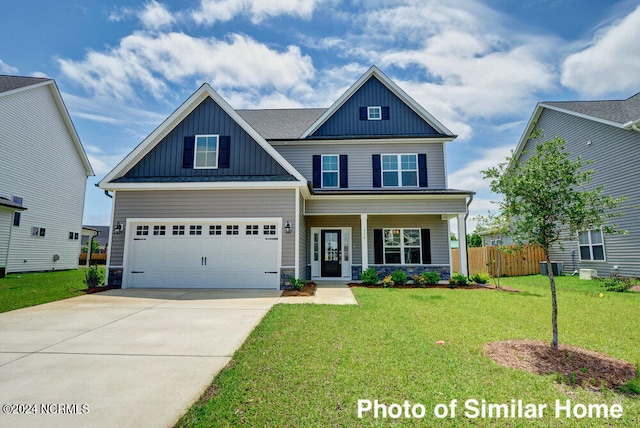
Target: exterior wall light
[(287, 227)]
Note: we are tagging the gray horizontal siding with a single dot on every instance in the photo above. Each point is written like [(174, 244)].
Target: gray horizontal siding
[(346, 120), (380, 206), (359, 159), (246, 157), (204, 204), (615, 153)]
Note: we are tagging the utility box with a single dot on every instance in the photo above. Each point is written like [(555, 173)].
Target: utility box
[(556, 267), (588, 273)]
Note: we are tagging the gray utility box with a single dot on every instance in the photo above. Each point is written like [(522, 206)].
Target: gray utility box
[(556, 267)]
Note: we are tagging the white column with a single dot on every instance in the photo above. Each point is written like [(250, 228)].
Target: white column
[(363, 241), (462, 239)]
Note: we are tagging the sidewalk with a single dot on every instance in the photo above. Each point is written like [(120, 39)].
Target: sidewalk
[(326, 294)]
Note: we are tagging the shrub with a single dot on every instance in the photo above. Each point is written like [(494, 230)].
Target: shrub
[(399, 277), (418, 280), (617, 283), (480, 278), (458, 279), (93, 277), (369, 276), (297, 284), (431, 277), (387, 281)]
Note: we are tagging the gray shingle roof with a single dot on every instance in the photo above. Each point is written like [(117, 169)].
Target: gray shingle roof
[(281, 124), (9, 83), (618, 111)]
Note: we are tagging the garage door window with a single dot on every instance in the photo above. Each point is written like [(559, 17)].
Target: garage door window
[(142, 230), (178, 230), (253, 229), (269, 229), (195, 230), (232, 229), (159, 230), (215, 229)]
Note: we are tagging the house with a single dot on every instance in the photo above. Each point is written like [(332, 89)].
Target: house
[(607, 133), (100, 235), (43, 174), (217, 197)]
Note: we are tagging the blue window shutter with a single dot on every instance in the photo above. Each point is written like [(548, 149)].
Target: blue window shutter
[(425, 238), (363, 113), (317, 171), (344, 172), (385, 113), (378, 249), (377, 171), (422, 170), (188, 151), (224, 154)]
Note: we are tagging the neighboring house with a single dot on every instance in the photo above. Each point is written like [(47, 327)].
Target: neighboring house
[(43, 173), (217, 197), (100, 235), (491, 238), (607, 133)]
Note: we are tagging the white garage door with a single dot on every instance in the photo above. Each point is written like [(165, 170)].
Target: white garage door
[(229, 254)]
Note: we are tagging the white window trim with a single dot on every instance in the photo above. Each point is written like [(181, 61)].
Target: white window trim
[(399, 171), (371, 109), (402, 247), (195, 151), (590, 245), (337, 171)]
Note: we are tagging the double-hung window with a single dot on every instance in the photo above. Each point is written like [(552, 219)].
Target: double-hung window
[(400, 170), (330, 171), (591, 245), (206, 153), (401, 246)]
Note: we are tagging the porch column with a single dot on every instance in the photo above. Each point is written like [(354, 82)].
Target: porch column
[(363, 242), (462, 239)]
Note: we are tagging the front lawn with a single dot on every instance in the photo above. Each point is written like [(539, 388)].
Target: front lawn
[(21, 290), (308, 365)]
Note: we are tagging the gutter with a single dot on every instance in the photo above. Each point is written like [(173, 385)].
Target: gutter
[(633, 125)]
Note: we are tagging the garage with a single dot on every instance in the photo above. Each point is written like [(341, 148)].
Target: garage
[(235, 253)]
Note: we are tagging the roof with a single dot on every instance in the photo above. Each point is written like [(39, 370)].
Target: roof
[(9, 83), (618, 111), (281, 124), (4, 202)]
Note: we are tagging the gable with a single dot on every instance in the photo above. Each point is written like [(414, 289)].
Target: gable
[(246, 156), (348, 121)]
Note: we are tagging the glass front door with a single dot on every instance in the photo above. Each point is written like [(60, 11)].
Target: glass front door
[(331, 261)]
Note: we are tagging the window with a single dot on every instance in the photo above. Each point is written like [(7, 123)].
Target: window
[(73, 236), (215, 229), (232, 229), (178, 230), (330, 171), (400, 170), (374, 113), (38, 231), (401, 246), (269, 229), (159, 230), (17, 215), (591, 245), (142, 230), (195, 230), (206, 153), (252, 229)]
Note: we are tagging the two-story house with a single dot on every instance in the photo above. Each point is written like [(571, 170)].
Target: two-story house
[(217, 197), (606, 132), (43, 176)]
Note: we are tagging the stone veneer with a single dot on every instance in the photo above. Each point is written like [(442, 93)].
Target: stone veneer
[(384, 270)]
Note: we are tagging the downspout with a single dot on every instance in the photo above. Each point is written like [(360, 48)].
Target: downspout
[(633, 125), (465, 227)]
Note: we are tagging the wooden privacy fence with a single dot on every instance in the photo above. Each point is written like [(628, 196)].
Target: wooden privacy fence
[(98, 258), (525, 261)]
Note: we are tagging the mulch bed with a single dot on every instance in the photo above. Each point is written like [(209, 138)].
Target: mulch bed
[(576, 366), (99, 289), (460, 287), (309, 289)]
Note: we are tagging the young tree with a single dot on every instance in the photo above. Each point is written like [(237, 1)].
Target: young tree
[(474, 240), (497, 226), (546, 199)]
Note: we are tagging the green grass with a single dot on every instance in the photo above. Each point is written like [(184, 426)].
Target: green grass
[(28, 289), (308, 365)]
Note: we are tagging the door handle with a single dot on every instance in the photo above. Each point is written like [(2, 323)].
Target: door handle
[(205, 261), (201, 261)]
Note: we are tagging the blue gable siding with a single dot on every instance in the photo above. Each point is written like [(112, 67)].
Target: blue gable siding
[(403, 121), (247, 157)]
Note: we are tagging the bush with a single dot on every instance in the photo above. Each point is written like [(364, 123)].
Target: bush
[(431, 277), (480, 278), (387, 281), (369, 277), (617, 283), (93, 277), (297, 284), (458, 279), (399, 277), (418, 280)]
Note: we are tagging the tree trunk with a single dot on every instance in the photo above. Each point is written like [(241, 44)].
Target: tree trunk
[(554, 302)]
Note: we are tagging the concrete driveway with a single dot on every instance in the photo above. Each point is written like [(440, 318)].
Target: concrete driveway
[(126, 358)]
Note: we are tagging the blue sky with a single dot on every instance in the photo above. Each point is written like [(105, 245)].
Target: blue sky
[(479, 66)]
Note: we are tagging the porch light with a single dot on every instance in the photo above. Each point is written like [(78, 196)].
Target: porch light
[(287, 227), (118, 229)]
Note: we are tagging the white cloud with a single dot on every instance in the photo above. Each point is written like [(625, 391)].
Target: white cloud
[(211, 11), (470, 177), (610, 63), (156, 16), (7, 69)]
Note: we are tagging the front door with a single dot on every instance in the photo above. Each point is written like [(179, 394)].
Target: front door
[(331, 261)]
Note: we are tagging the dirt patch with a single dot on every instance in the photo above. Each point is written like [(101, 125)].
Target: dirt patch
[(575, 366), (309, 289), (460, 287), (635, 288)]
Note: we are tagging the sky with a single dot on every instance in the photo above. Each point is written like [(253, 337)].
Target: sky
[(479, 66)]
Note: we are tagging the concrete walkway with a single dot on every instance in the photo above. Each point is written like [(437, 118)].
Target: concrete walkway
[(327, 293)]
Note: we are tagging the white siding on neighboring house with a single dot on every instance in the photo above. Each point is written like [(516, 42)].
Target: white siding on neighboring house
[(6, 219), (41, 165)]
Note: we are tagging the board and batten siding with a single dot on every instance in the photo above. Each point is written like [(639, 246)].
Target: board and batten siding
[(40, 164), (204, 204), (360, 166), (385, 206), (615, 153), (246, 156)]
